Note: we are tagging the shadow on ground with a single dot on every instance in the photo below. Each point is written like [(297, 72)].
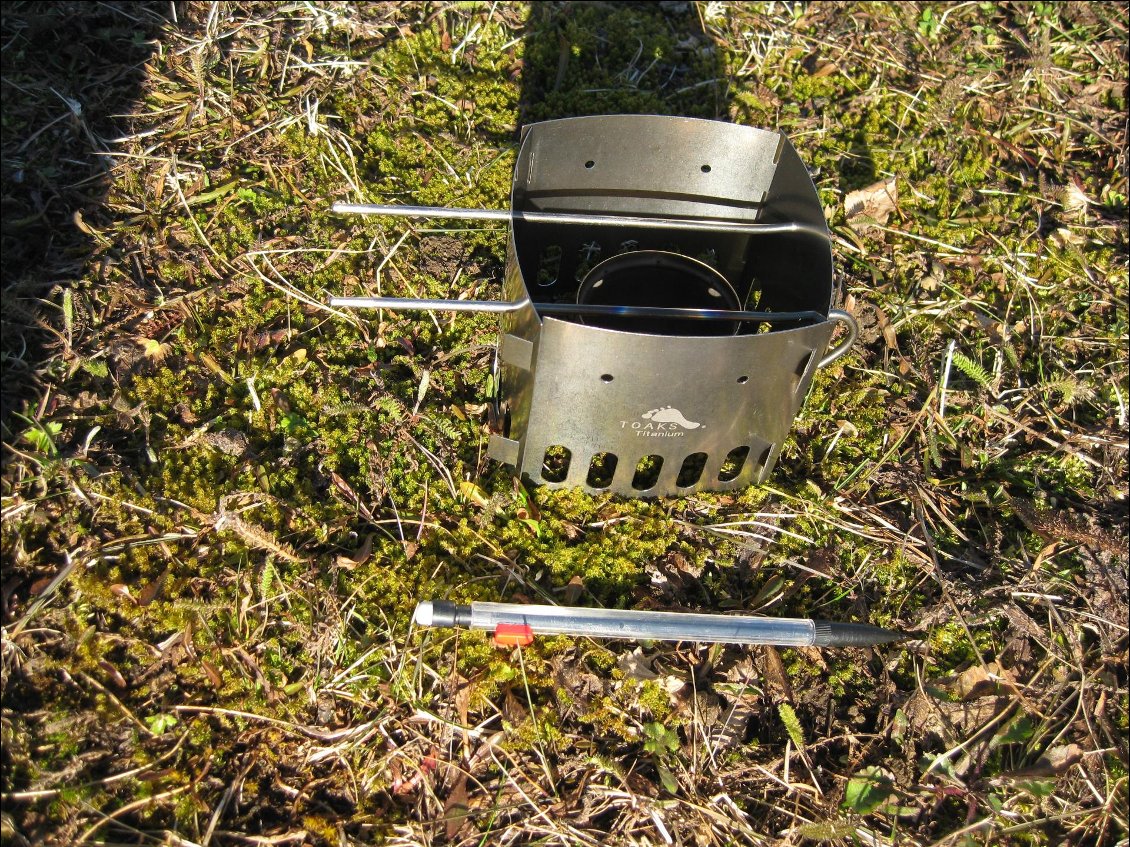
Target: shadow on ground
[(620, 58), (70, 72)]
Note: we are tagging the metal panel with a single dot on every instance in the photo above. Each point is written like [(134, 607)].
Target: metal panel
[(670, 411), (631, 162), (604, 391)]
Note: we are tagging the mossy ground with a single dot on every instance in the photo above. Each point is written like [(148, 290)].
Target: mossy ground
[(222, 501)]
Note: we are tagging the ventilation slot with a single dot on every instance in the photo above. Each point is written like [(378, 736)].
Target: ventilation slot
[(587, 257), (549, 266), (555, 464), (691, 470), (763, 459), (735, 461), (602, 469), (647, 473), (798, 375)]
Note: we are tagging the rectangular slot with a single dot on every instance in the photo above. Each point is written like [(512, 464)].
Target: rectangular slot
[(555, 463), (732, 467), (690, 472), (647, 473), (602, 470)]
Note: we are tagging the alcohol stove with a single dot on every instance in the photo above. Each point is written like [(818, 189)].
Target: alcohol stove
[(668, 291)]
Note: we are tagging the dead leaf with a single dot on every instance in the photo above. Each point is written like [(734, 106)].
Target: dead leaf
[(817, 66), (1053, 762), (114, 674), (989, 680), (773, 669), (455, 807), (824, 560), (82, 225), (213, 674), (887, 329), (635, 666), (513, 710), (890, 337), (573, 590), (576, 687), (1063, 237), (350, 495), (462, 697), (951, 720), (248, 661), (396, 775), (874, 203), (1063, 525), (814, 655), (153, 590), (730, 731), (359, 556), (230, 442), (122, 591)]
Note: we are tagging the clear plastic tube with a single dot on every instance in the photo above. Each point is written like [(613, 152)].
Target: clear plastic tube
[(658, 626)]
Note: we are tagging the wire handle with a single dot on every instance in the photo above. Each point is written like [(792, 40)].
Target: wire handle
[(848, 320)]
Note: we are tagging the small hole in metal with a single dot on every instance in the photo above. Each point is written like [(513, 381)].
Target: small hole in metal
[(555, 463), (606, 377), (587, 257), (798, 374), (763, 459), (735, 461), (742, 380), (706, 169), (589, 164), (549, 266), (691, 470), (602, 469), (647, 473)]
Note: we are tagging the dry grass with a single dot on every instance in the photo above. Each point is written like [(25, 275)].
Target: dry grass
[(221, 498)]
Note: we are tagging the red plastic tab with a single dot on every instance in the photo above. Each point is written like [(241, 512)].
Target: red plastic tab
[(513, 634)]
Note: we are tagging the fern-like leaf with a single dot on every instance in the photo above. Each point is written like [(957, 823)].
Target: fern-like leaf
[(792, 724), (972, 369), (266, 581)]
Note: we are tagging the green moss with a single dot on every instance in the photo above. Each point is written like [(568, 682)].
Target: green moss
[(655, 701), (424, 107), (950, 647)]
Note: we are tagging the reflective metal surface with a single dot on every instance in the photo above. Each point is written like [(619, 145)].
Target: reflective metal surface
[(643, 414), (646, 405), (407, 304), (505, 216)]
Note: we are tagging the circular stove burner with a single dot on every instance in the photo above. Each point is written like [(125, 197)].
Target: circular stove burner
[(658, 278)]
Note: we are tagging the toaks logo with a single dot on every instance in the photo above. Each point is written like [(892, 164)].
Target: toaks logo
[(664, 422)]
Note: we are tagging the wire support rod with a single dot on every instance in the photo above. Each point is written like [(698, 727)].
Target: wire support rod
[(580, 309), (506, 216)]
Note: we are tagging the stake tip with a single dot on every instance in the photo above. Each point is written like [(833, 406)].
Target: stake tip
[(830, 634)]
